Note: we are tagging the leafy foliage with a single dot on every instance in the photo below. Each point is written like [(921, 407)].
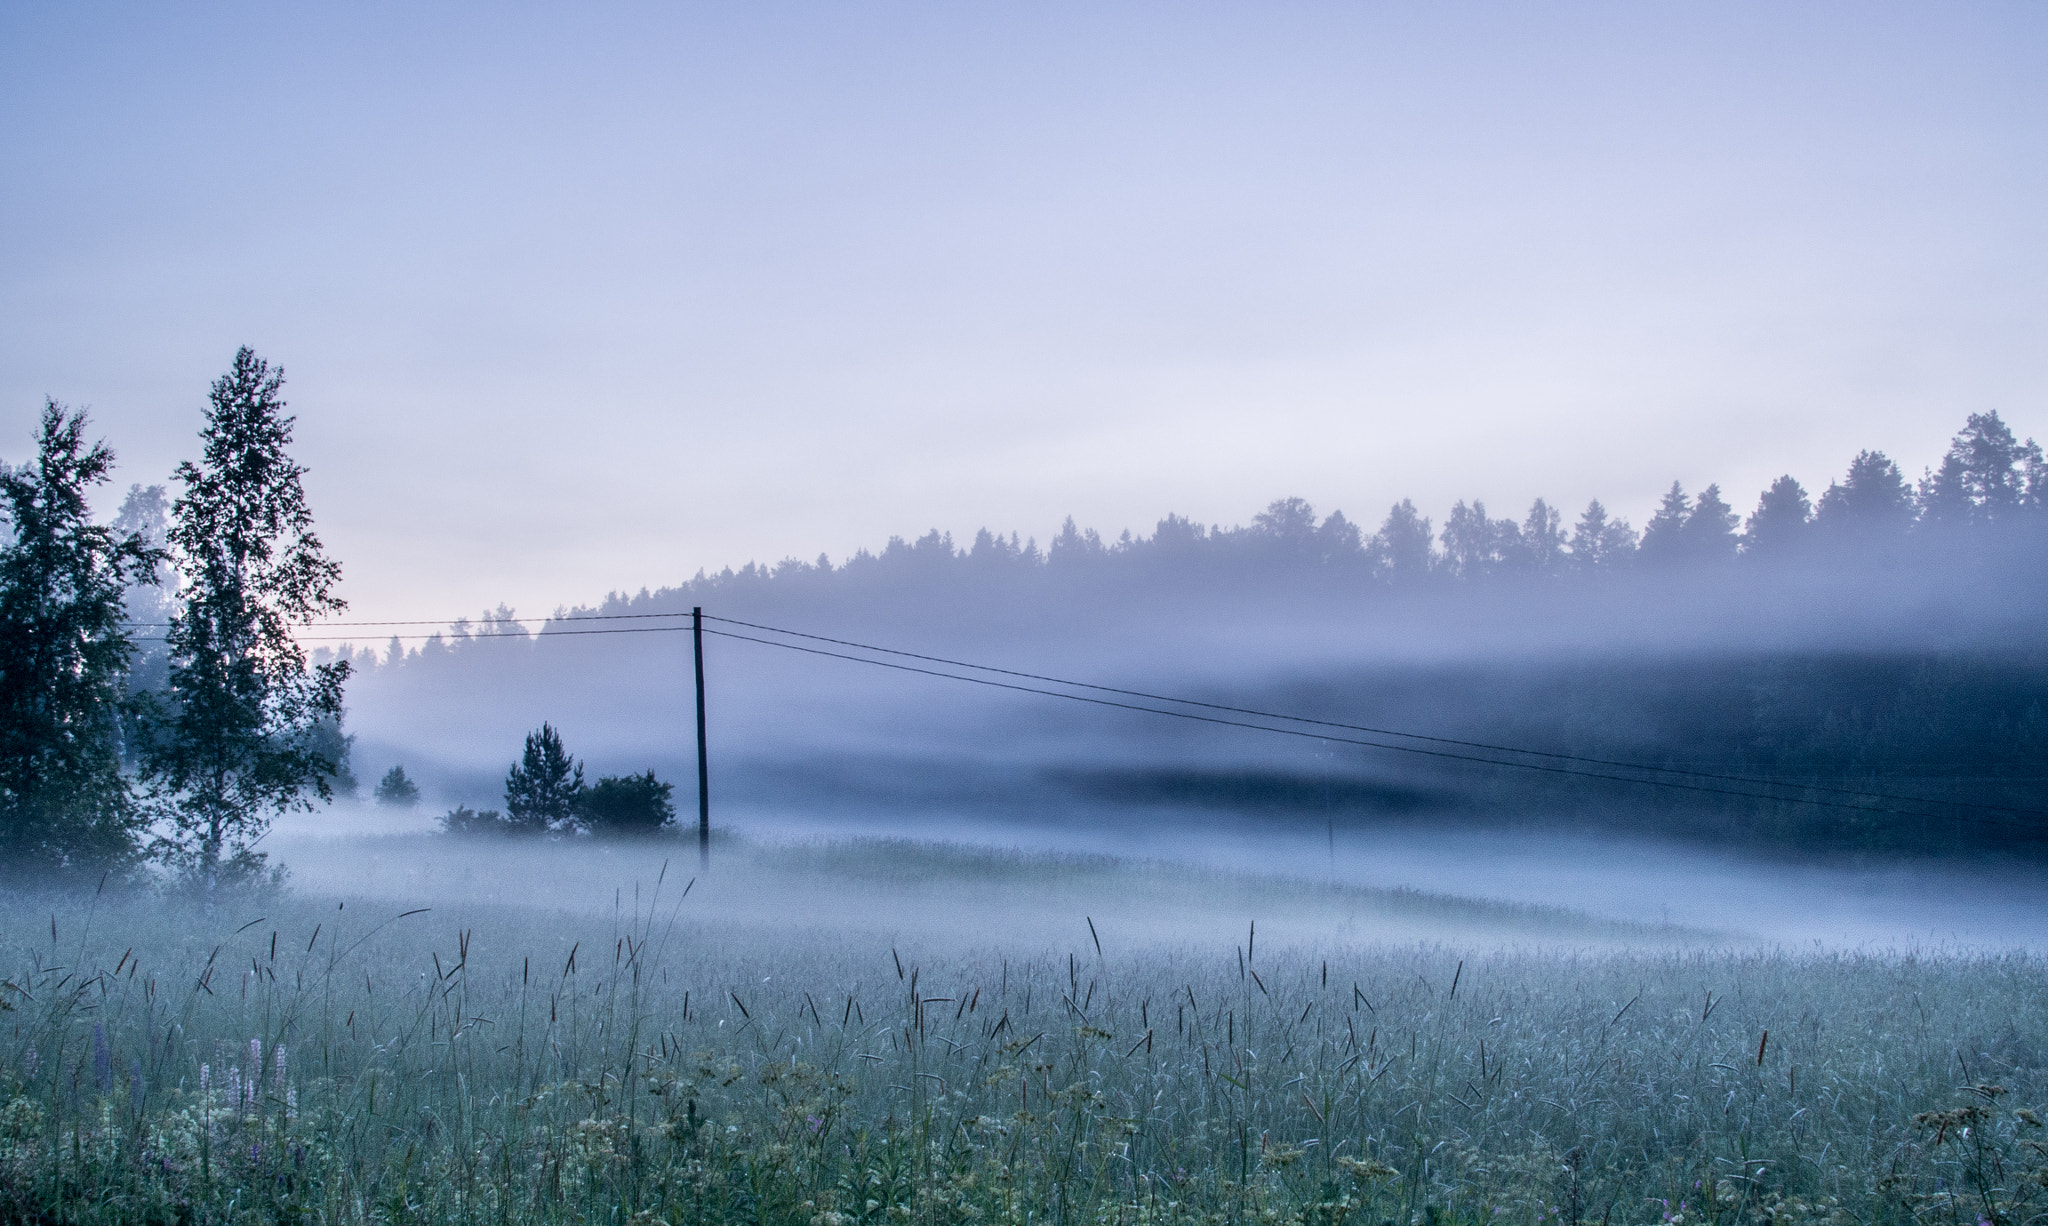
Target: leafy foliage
[(64, 651), (236, 735), (628, 805), (397, 791)]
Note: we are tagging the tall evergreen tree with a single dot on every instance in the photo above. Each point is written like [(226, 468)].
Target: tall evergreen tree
[(1600, 543), (1709, 534), (1780, 521), (1872, 499), (1664, 536), (238, 735), (544, 789), (64, 653), (1988, 475)]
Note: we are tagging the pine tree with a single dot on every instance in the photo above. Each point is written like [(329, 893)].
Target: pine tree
[(544, 789), (1664, 536), (1600, 543), (1781, 520), (237, 735), (1988, 475), (1709, 534), (64, 654), (1872, 499)]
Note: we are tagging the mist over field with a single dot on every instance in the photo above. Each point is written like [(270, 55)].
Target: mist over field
[(1340, 614), (1846, 692)]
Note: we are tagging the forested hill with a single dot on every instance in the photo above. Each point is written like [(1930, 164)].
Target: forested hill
[(1884, 639), (1982, 504)]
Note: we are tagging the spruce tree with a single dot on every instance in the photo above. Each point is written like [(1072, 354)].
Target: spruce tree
[(544, 789), (64, 655), (1779, 524), (237, 735)]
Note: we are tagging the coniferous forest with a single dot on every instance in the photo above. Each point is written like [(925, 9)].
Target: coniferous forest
[(1858, 668)]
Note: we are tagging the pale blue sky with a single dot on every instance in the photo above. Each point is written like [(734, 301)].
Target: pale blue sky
[(575, 298)]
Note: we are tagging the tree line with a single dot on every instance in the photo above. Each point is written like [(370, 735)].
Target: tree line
[(154, 705), (1989, 479)]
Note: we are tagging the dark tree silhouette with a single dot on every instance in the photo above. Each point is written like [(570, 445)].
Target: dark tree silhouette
[(1287, 527), (397, 791), (1664, 536), (1779, 524), (64, 651), (1600, 543), (1400, 550), (1542, 541), (238, 735), (628, 805), (1988, 476), (1709, 534), (544, 788), (1872, 499)]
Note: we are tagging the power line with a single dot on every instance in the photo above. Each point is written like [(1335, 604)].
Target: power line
[(451, 621), (1324, 723), (1256, 713), (1409, 749)]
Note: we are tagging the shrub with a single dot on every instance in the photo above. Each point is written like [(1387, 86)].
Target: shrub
[(627, 804), (464, 820), (397, 791)]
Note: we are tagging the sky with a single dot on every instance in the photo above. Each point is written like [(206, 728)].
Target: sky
[(581, 298)]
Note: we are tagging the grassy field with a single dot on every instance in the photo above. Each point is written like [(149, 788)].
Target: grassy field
[(893, 1033)]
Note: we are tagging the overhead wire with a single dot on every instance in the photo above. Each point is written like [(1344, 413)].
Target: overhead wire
[(464, 634), (1418, 736), (1408, 749)]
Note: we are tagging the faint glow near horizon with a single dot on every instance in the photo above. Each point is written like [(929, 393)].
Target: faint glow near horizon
[(580, 301)]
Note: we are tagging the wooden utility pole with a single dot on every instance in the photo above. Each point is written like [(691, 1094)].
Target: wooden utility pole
[(703, 756)]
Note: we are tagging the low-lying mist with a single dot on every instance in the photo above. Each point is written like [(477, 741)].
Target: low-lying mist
[(962, 879)]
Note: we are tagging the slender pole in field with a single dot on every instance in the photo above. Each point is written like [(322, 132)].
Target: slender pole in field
[(703, 757)]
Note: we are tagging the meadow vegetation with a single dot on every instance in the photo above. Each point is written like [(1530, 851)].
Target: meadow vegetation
[(308, 1057)]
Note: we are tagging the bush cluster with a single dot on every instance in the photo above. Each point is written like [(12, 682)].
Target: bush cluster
[(545, 794)]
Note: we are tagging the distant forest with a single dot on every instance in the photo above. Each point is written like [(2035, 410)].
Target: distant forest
[(1879, 647), (1988, 481)]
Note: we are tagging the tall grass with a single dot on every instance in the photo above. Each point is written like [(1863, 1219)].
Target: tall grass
[(294, 1059)]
